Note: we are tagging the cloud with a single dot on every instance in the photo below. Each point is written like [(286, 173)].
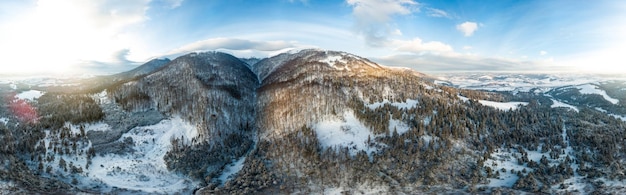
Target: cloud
[(373, 17), (437, 13), (543, 53), (117, 62), (233, 44), (418, 46), (66, 33), (467, 28), (467, 47), (173, 3), (305, 2), (461, 62)]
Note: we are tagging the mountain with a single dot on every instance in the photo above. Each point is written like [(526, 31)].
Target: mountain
[(98, 83), (142, 70), (313, 122)]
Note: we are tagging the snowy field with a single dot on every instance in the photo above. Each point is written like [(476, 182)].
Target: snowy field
[(505, 160), (504, 106), (30, 95), (593, 89), (345, 131), (494, 81), (143, 169), (558, 104), (513, 82)]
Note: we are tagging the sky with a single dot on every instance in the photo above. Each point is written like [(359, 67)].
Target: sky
[(108, 36)]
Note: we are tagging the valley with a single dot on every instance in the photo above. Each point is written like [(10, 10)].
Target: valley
[(311, 121)]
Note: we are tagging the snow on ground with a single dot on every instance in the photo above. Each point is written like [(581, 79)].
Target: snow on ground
[(4, 120), (8, 187), (504, 106), (344, 131), (30, 95), (515, 82), (232, 169), (505, 159), (623, 118), (593, 89), (145, 169), (100, 126), (556, 104), (464, 99), (332, 59), (398, 125), (409, 103), (361, 189), (102, 97), (577, 181)]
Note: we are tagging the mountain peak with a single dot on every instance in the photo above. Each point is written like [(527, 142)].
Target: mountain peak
[(317, 59)]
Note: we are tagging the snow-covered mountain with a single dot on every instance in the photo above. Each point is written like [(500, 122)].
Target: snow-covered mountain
[(312, 122)]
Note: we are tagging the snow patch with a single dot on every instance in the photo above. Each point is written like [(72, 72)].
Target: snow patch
[(102, 97), (232, 169), (409, 103), (593, 89), (398, 125), (504, 106), (464, 99), (620, 117), (623, 118), (145, 169), (100, 126), (333, 59), (345, 131), (556, 104), (30, 95), (4, 120)]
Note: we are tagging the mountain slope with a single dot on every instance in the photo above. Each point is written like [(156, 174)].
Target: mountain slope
[(214, 91), (311, 122), (331, 122), (142, 70)]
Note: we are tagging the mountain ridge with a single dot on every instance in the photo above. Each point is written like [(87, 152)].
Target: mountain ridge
[(313, 121)]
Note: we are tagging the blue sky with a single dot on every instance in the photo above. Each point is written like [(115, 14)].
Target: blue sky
[(63, 36)]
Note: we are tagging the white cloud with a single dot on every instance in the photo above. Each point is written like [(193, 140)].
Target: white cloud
[(397, 32), (467, 47), (467, 28), (301, 1), (432, 12), (418, 46), (233, 44), (65, 33), (373, 17), (462, 62), (174, 3), (543, 53)]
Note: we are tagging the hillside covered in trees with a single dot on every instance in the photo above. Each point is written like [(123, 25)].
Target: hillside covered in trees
[(308, 122)]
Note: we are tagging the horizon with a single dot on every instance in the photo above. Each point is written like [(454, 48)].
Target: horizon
[(40, 37)]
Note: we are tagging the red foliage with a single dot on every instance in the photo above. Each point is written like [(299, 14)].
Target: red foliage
[(22, 110)]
